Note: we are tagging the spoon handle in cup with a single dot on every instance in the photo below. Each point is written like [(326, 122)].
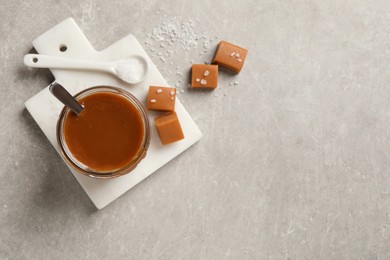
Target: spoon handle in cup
[(65, 97)]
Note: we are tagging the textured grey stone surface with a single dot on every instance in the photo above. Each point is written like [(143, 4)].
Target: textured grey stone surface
[(294, 163)]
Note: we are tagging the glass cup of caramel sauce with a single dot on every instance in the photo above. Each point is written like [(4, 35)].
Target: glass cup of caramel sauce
[(109, 137)]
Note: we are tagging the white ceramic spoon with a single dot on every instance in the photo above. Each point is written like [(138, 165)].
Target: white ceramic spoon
[(133, 69)]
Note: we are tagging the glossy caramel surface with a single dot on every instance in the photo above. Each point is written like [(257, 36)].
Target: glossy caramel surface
[(108, 133)]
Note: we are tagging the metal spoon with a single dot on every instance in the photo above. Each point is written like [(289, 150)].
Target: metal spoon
[(133, 69), (65, 97)]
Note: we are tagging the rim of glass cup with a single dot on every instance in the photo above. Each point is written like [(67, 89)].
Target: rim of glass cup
[(83, 169)]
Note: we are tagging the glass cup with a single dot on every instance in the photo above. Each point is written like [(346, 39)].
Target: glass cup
[(84, 169)]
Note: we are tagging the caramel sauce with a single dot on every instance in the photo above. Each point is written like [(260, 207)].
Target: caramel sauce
[(108, 133)]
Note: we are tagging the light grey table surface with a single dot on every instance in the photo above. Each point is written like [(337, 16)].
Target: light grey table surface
[(295, 158)]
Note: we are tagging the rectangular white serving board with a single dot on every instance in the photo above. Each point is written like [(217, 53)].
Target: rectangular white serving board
[(45, 108)]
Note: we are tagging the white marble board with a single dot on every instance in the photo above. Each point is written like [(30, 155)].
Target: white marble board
[(45, 109)]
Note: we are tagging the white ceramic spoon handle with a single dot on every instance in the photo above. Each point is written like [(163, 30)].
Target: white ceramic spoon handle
[(45, 61)]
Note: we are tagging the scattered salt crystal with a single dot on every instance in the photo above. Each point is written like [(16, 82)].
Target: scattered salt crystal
[(159, 90), (197, 79), (172, 92), (203, 82), (206, 73), (162, 59), (157, 13), (206, 43), (239, 60), (232, 54), (172, 98), (159, 53), (153, 49), (237, 55), (235, 83), (153, 101)]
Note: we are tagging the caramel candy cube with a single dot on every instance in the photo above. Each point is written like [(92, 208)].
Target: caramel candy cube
[(168, 128), (204, 76), (161, 98), (230, 56)]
